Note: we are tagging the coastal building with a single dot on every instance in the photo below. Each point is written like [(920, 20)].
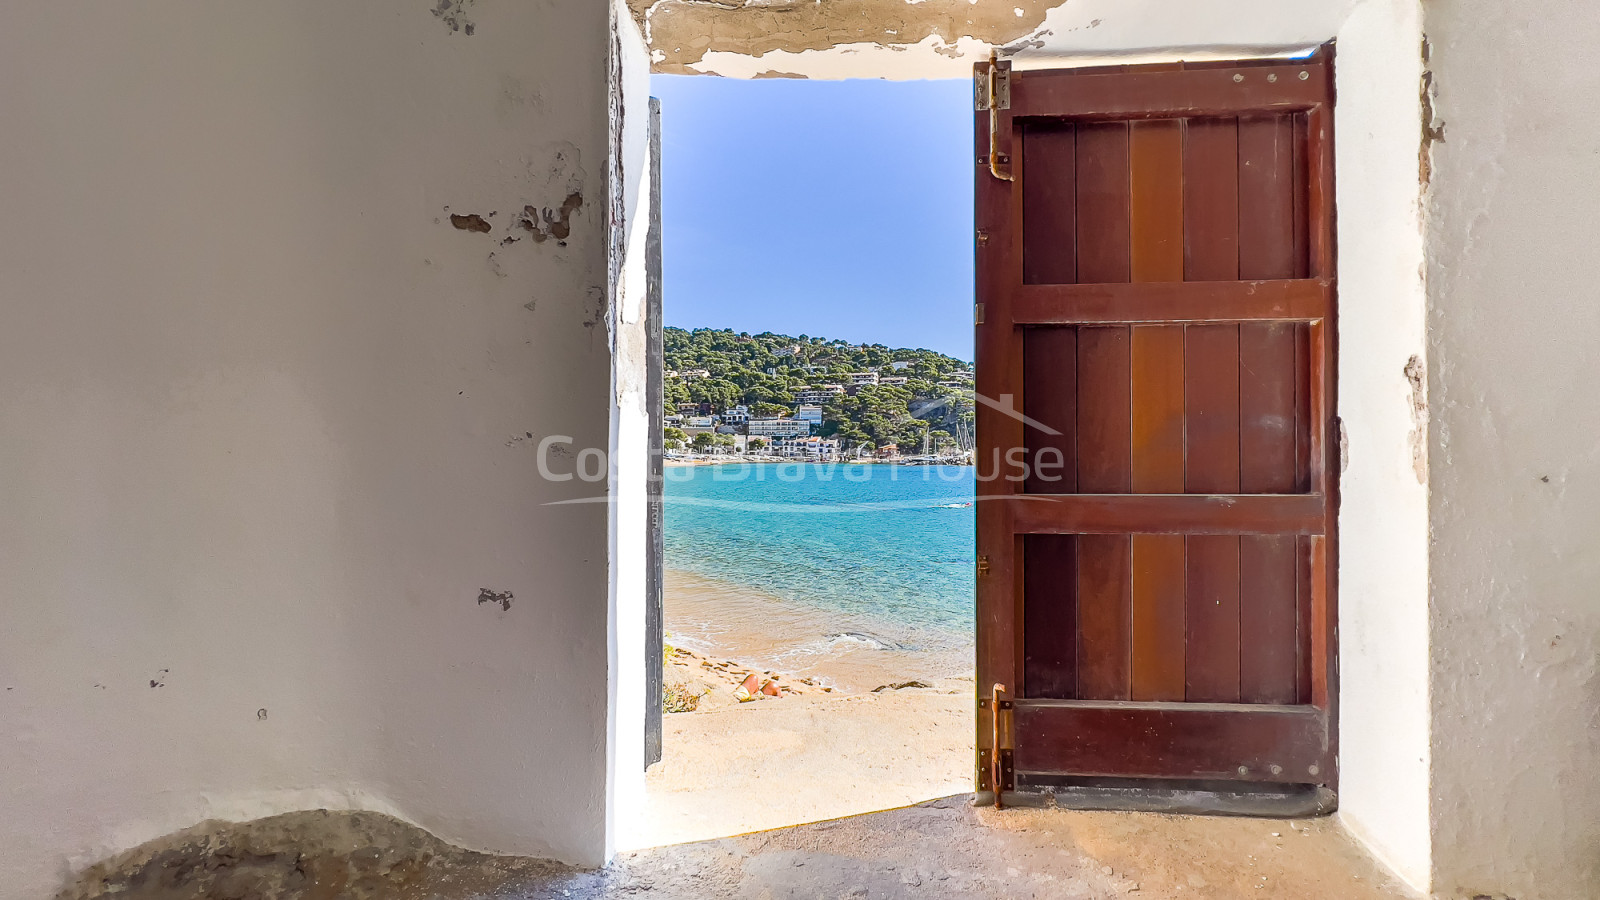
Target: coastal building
[(893, 380), (819, 395), (811, 449), (811, 414), (702, 421), (762, 426), (900, 365), (860, 378), (736, 415), (888, 451)]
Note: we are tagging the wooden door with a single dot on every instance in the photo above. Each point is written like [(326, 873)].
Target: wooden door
[(1157, 484)]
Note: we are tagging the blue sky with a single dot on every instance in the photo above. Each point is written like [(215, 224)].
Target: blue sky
[(834, 209)]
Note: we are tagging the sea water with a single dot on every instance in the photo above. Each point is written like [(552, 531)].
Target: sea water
[(830, 560)]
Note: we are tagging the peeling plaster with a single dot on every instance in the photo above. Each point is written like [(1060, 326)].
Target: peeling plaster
[(502, 599), (1417, 377), (472, 222), (943, 38), (453, 13), (683, 32), (551, 223)]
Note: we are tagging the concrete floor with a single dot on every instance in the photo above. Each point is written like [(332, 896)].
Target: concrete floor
[(944, 848)]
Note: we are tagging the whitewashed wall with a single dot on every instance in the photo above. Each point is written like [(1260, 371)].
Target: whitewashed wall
[(264, 418), (1513, 322)]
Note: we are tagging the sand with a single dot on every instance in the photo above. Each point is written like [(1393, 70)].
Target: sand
[(854, 731)]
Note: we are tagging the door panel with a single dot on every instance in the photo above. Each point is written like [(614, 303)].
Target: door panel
[(1156, 287)]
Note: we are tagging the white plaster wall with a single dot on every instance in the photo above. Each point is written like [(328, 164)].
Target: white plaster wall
[(1515, 443), (263, 418), (1383, 516)]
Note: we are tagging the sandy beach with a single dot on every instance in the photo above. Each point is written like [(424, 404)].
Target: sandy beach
[(863, 723)]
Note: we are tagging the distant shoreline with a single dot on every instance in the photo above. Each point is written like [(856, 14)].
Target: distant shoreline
[(773, 461), (726, 620)]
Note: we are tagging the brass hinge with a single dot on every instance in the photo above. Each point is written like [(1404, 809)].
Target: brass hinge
[(997, 77), (983, 561), (996, 769), (994, 95), (977, 313)]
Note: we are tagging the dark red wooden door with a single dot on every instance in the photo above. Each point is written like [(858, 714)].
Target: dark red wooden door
[(1155, 343)]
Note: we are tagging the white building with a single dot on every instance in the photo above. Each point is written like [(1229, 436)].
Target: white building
[(761, 426), (863, 378), (819, 395), (900, 366), (736, 415), (811, 449), (895, 379), (811, 414), (702, 421)]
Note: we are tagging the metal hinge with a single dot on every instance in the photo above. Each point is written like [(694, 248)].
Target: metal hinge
[(1001, 76), (977, 318), (996, 768), (983, 561)]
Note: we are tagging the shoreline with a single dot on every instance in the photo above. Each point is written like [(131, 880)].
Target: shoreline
[(680, 462), (838, 653), (855, 735)]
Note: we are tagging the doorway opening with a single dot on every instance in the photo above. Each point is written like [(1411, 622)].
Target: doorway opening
[(816, 427)]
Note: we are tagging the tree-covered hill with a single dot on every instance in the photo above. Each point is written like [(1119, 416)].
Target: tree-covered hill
[(766, 371)]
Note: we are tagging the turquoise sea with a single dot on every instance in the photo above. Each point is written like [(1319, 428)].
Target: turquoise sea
[(879, 555)]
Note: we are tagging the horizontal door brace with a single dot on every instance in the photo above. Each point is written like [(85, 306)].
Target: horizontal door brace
[(1289, 300), (1168, 513)]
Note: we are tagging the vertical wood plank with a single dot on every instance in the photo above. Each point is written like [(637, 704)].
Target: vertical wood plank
[(1105, 457), (1270, 242), (1049, 562), (1103, 203), (1105, 616), (1266, 197), (1269, 586), (1212, 647), (1211, 388), (1156, 388), (1269, 617), (1158, 628), (1155, 153), (1212, 624), (1211, 200), (1050, 392), (1050, 204), (1050, 617)]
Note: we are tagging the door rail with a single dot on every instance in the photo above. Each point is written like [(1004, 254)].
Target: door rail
[(1171, 94), (1288, 300), (1285, 744), (1167, 513)]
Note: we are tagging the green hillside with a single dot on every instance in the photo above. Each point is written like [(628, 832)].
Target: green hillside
[(766, 371)]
